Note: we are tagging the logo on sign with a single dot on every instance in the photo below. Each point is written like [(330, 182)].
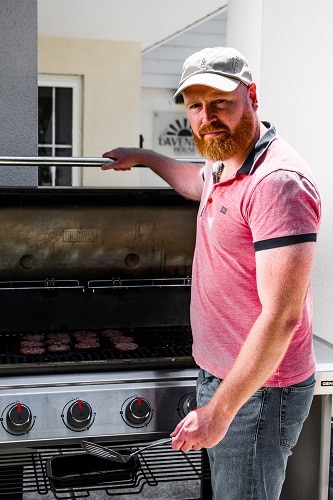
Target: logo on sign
[(176, 138), (179, 136)]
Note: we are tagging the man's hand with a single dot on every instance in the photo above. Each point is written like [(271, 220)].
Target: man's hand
[(201, 428), (124, 158)]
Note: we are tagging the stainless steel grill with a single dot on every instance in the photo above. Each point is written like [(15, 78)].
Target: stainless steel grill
[(90, 260)]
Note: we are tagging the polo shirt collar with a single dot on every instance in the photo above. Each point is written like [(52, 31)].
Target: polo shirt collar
[(258, 149)]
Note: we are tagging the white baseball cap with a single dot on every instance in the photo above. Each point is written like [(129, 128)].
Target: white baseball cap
[(222, 68)]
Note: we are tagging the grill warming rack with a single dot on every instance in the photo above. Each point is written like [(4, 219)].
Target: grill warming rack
[(47, 284), (113, 283)]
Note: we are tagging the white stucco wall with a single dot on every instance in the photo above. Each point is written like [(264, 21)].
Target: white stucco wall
[(289, 44), (111, 73), (18, 89)]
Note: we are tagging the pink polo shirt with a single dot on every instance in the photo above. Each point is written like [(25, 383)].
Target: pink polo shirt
[(272, 201)]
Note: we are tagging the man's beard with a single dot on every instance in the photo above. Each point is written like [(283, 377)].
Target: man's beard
[(228, 144)]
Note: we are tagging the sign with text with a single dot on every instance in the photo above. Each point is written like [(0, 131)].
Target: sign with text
[(173, 135)]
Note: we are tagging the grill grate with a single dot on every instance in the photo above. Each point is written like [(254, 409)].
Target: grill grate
[(26, 472), (163, 346)]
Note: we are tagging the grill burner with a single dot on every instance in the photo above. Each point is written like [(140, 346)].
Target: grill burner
[(161, 347)]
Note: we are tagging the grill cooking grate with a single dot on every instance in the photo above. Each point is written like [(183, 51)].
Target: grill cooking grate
[(158, 346), (26, 471)]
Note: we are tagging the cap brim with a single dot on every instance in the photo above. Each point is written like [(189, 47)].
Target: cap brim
[(213, 80)]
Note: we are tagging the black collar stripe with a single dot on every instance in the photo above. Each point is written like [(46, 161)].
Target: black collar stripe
[(258, 149)]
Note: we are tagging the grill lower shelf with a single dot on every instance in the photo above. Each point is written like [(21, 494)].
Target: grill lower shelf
[(158, 347), (25, 471)]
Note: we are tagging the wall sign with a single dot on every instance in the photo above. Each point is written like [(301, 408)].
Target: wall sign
[(173, 135)]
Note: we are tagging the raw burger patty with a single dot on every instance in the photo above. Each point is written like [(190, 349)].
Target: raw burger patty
[(122, 339), (111, 333), (58, 338), (34, 337), (32, 351), (86, 338), (86, 345), (125, 346), (84, 333), (26, 344), (58, 348)]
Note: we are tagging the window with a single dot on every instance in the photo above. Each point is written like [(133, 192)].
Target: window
[(59, 127)]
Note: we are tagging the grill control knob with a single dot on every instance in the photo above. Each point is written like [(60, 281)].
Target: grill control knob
[(186, 404), (18, 418), (79, 414), (138, 411), (189, 404)]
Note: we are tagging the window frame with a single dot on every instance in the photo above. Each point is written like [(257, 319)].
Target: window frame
[(75, 83)]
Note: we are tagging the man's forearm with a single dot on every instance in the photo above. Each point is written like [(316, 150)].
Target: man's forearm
[(184, 177), (259, 357)]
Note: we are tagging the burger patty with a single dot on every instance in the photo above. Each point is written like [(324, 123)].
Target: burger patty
[(58, 348), (80, 340), (125, 346), (26, 344), (32, 351), (86, 346), (34, 337), (111, 333)]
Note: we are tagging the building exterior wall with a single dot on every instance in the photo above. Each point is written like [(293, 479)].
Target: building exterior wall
[(290, 46), (18, 88), (111, 95)]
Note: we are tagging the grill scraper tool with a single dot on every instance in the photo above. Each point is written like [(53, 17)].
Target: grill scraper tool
[(102, 452)]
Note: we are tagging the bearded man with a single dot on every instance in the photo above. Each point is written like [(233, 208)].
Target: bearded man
[(251, 304)]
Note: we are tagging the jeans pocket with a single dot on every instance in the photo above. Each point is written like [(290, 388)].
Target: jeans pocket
[(206, 387), (295, 407)]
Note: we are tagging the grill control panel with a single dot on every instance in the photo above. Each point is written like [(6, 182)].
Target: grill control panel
[(68, 408)]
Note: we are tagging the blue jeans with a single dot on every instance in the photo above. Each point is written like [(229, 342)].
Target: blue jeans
[(250, 461)]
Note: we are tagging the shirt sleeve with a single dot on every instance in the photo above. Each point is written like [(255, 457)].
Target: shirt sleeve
[(283, 209)]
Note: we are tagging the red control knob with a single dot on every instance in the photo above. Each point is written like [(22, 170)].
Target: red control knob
[(79, 414), (18, 418), (138, 411)]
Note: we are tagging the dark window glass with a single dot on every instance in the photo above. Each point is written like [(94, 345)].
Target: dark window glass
[(63, 151), (55, 123), (63, 115), (45, 115), (44, 151)]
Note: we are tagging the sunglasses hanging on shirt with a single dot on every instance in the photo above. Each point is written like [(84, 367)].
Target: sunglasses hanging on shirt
[(217, 168)]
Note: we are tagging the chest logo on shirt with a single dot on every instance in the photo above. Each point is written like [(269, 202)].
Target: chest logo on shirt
[(223, 209)]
